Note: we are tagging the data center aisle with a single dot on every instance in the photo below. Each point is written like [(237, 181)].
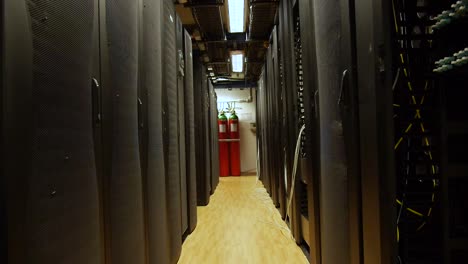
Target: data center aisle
[(240, 225)]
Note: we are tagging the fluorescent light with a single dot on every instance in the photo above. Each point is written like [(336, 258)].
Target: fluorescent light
[(237, 62), (223, 79), (236, 15)]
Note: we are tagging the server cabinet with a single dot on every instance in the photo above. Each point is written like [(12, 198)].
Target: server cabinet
[(373, 57), (213, 110), (151, 122), (190, 134), (49, 159), (171, 137), (3, 216), (274, 99), (181, 119), (290, 113), (308, 94), (331, 75), (208, 131), (123, 184), (202, 152), (262, 129), (267, 129)]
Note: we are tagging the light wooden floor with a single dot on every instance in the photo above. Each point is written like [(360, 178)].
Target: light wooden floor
[(239, 226)]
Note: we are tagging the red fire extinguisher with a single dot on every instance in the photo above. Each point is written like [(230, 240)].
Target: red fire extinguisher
[(234, 144), (223, 137)]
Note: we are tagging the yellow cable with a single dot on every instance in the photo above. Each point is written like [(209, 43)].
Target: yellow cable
[(398, 234), (410, 87), (398, 143), (418, 116), (421, 226), (409, 128), (410, 210)]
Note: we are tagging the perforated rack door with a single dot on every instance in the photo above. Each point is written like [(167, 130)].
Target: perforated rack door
[(171, 105), (190, 134), (50, 163), (125, 197), (151, 86)]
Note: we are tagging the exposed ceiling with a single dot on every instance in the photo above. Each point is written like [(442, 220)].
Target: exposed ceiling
[(207, 22)]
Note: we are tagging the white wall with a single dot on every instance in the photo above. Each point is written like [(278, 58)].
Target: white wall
[(247, 114)]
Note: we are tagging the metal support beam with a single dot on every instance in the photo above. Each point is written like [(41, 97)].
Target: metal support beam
[(264, 3), (201, 5)]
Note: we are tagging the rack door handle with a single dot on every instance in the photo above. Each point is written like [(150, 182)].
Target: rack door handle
[(342, 87), (96, 101)]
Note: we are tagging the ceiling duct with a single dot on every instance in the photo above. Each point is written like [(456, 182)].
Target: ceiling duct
[(262, 18), (207, 14)]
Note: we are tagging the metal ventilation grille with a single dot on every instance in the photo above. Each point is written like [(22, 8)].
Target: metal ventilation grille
[(125, 186), (172, 133), (62, 205), (299, 81)]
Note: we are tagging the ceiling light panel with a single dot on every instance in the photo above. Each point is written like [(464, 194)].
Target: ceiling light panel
[(237, 62), (236, 15)]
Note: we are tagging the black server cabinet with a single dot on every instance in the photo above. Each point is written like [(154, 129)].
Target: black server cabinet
[(124, 190), (171, 124), (290, 115), (347, 129), (49, 159), (308, 95), (208, 132), (202, 152), (274, 100), (213, 110), (181, 119), (267, 129), (190, 134), (373, 77), (151, 122), (417, 144), (261, 134), (3, 189)]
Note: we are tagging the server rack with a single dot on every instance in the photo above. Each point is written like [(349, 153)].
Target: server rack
[(171, 110), (417, 144), (124, 182), (151, 122), (3, 215), (91, 123), (201, 110), (310, 166), (213, 110), (261, 131), (290, 105), (375, 130), (48, 132), (340, 120), (190, 134), (275, 102), (447, 42), (454, 180), (270, 107), (181, 119)]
